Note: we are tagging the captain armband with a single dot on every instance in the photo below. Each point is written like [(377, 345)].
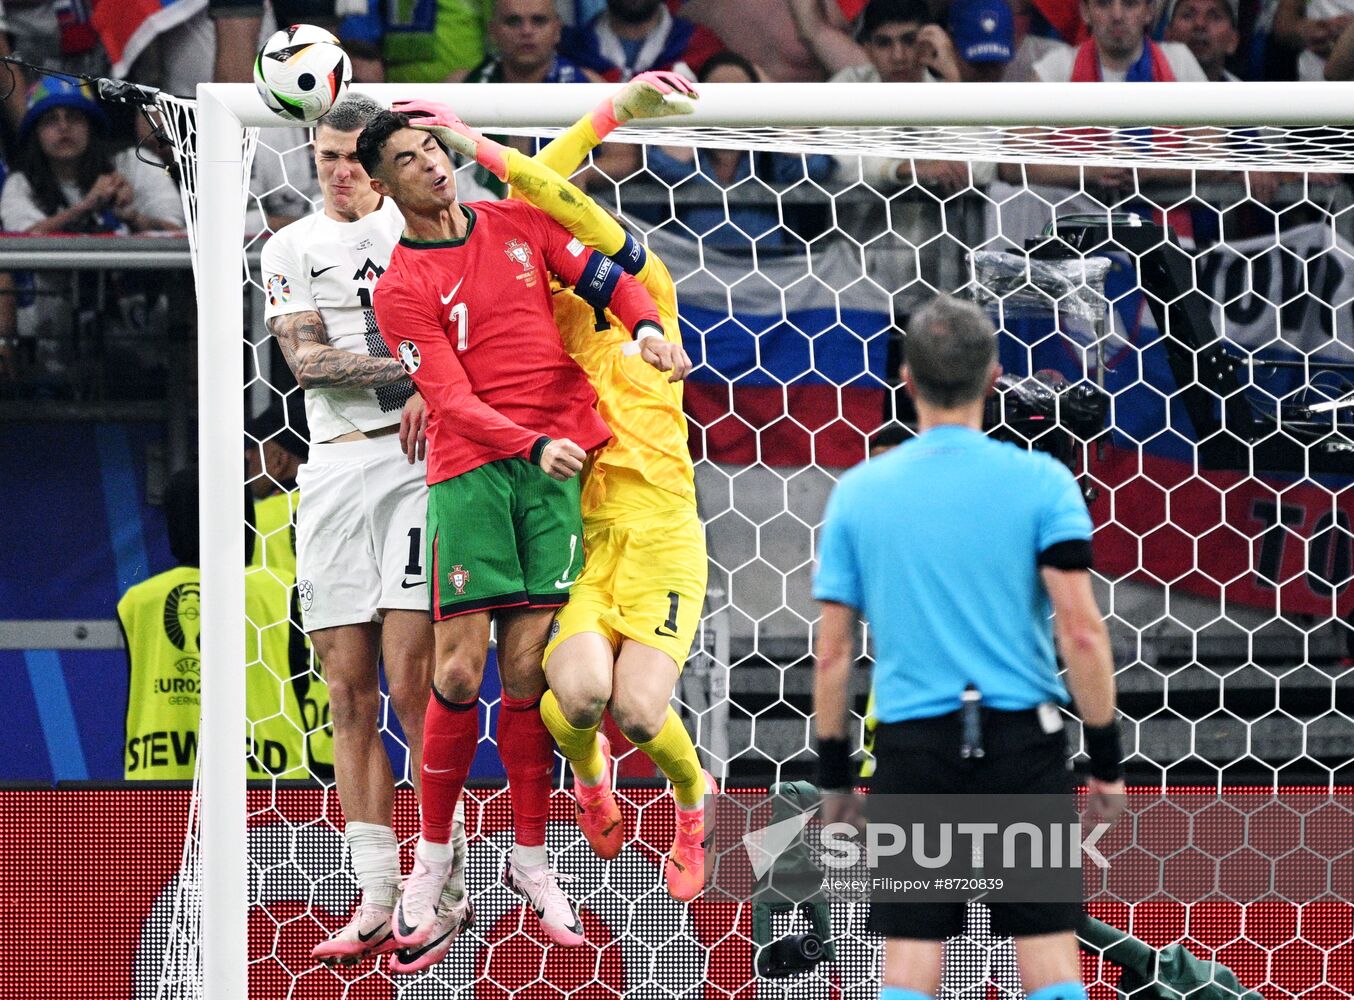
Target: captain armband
[(632, 256), (599, 279)]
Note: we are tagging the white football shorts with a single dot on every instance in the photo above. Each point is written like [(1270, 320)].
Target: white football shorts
[(359, 533)]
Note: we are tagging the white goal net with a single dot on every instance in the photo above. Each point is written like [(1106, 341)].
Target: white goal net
[(1174, 306)]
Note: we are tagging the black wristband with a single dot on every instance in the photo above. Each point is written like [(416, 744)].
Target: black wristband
[(1105, 749), (834, 766), (538, 448), (647, 325)]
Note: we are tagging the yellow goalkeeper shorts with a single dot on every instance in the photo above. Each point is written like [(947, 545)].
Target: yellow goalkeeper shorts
[(643, 579)]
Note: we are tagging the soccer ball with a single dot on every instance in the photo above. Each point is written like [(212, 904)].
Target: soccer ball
[(301, 72)]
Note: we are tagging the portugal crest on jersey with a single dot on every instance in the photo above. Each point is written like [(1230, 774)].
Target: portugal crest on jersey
[(520, 252), (410, 357), (459, 577)]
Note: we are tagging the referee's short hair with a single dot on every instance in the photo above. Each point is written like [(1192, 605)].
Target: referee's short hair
[(949, 351)]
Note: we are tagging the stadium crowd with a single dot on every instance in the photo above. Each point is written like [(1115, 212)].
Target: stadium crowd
[(75, 166)]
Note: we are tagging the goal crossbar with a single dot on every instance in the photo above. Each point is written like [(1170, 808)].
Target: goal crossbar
[(809, 105), (225, 110)]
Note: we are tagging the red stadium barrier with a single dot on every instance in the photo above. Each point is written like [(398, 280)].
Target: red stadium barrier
[(90, 874)]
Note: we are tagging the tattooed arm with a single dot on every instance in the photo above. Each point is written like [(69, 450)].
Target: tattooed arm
[(315, 363)]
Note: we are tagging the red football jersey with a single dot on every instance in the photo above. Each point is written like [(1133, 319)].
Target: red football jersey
[(472, 322)]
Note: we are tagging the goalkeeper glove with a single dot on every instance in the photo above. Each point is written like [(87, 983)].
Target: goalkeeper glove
[(454, 134), (656, 94)]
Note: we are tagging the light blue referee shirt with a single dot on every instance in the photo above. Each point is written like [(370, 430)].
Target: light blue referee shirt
[(936, 543)]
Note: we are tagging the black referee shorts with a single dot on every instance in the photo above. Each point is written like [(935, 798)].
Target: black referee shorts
[(921, 757)]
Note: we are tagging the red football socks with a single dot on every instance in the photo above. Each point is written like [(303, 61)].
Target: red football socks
[(450, 735), (528, 753)]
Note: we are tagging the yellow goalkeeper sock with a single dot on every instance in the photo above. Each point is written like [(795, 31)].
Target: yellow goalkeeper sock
[(675, 755), (579, 746)]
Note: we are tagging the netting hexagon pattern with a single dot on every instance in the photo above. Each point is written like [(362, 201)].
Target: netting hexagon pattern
[(1174, 338)]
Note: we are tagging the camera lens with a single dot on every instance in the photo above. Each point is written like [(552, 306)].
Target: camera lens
[(811, 948)]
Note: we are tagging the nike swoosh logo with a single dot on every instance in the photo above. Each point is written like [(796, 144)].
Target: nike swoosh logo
[(406, 585), (410, 954), (665, 635), (364, 938), (576, 926), (315, 274), (446, 299), (437, 770), (561, 583)]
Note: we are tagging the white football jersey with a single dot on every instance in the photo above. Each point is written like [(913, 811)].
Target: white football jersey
[(318, 264)]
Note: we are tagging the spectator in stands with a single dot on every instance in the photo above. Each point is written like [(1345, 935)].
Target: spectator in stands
[(984, 40), (13, 78), (716, 170), (1208, 28), (67, 180), (764, 31), (1340, 65), (1311, 30), (239, 22), (824, 30), (1119, 49), (978, 46), (634, 36), (526, 34), (427, 41), (168, 44), (903, 44), (59, 36), (899, 41)]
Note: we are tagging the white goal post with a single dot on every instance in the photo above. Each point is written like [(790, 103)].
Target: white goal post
[(815, 117)]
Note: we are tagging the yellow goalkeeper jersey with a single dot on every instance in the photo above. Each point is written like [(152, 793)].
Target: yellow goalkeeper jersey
[(642, 408), (639, 404)]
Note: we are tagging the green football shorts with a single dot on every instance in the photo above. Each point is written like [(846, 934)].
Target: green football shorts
[(504, 535)]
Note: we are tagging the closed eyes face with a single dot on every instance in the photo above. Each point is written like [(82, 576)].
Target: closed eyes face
[(416, 171), (343, 181)]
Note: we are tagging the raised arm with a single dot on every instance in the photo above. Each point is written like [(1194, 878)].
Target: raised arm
[(318, 364), (823, 30), (582, 242)]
